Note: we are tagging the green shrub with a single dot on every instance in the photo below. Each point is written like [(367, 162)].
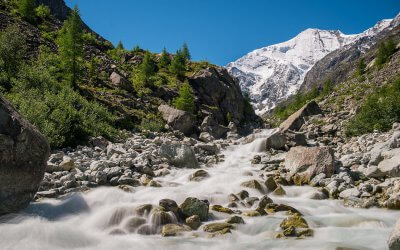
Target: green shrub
[(185, 100), (27, 9), (378, 112), (43, 12), (152, 123), (385, 50)]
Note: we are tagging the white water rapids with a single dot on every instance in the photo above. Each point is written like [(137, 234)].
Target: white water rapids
[(80, 222)]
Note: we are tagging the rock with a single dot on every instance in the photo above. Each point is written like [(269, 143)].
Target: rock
[(180, 155), (211, 148), (23, 159), (351, 192), (242, 194), (390, 167), (317, 195), (295, 139), (394, 201), (178, 119), (270, 183), (132, 224), (154, 183), (251, 213), (315, 181), (272, 207), (193, 206), (115, 149), (254, 184), (235, 220), (295, 221), (174, 230), (296, 120), (211, 126), (394, 239), (217, 226), (125, 180), (193, 222), (303, 163), (206, 137), (120, 81), (158, 217), (275, 141), (144, 209), (169, 205), (199, 175), (279, 191), (221, 209), (67, 164)]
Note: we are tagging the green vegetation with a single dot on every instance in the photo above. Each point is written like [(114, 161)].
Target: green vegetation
[(153, 123), (143, 77), (185, 52), (361, 66), (385, 50), (164, 61), (27, 9), (378, 112), (185, 100), (43, 12), (70, 44), (178, 64)]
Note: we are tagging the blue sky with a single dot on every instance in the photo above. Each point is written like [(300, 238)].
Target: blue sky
[(221, 31)]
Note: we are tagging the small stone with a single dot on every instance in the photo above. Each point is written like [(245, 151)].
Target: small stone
[(217, 226), (279, 191), (199, 175), (235, 220), (221, 209), (193, 222), (270, 183), (174, 230), (251, 213), (254, 184)]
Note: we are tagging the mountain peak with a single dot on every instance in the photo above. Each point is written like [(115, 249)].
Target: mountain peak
[(271, 74)]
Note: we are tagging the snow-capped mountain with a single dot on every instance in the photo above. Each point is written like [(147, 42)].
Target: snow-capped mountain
[(272, 74)]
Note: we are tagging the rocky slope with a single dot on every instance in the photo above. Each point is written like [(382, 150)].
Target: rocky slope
[(272, 74)]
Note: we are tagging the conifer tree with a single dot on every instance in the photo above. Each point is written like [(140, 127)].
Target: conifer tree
[(70, 42), (27, 9), (185, 52), (185, 100), (178, 64), (361, 67), (164, 60), (120, 46), (145, 71)]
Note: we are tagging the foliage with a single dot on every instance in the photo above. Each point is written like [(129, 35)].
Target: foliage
[(12, 51), (152, 123), (59, 112), (185, 52), (164, 60), (120, 46), (185, 100), (43, 12), (27, 9), (143, 78), (70, 42), (378, 112), (361, 66), (385, 50), (178, 64)]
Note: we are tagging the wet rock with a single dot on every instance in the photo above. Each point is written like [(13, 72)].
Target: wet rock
[(174, 230), (159, 217), (132, 224), (143, 209), (279, 191), (180, 155), (217, 226), (23, 159), (243, 194), (169, 205), (270, 183), (178, 119), (275, 141), (317, 195), (193, 222), (251, 213), (117, 216), (235, 220), (351, 192), (154, 183), (394, 239), (199, 175), (117, 231), (146, 229), (316, 180), (272, 207), (303, 163), (295, 221), (254, 184), (193, 206), (221, 209)]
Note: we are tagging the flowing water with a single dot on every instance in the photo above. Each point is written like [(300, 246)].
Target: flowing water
[(82, 220)]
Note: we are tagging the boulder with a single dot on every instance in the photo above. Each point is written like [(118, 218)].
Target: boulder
[(394, 239), (390, 167), (217, 226), (23, 159), (193, 206), (178, 119), (193, 222), (120, 81), (296, 120), (275, 141), (303, 163), (211, 126), (199, 175), (174, 230), (179, 155)]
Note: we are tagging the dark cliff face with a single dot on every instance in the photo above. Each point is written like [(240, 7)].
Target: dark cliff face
[(220, 95), (58, 8), (338, 65)]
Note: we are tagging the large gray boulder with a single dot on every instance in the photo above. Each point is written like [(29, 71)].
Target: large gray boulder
[(296, 120), (394, 239), (303, 163), (179, 155), (23, 158), (178, 119)]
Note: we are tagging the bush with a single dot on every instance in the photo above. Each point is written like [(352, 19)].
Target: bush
[(43, 12), (27, 9), (378, 112), (385, 50), (152, 123), (185, 100)]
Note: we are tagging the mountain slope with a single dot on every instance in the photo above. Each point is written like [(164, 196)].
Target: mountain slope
[(272, 74)]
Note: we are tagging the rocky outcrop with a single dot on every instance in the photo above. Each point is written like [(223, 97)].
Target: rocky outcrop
[(296, 120), (23, 156), (178, 119), (394, 239), (303, 163), (219, 96)]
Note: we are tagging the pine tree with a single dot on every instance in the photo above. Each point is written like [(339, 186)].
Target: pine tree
[(185, 100), (361, 67), (178, 64), (120, 46), (164, 60), (136, 49), (185, 52), (27, 9), (70, 42), (385, 50), (144, 73)]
